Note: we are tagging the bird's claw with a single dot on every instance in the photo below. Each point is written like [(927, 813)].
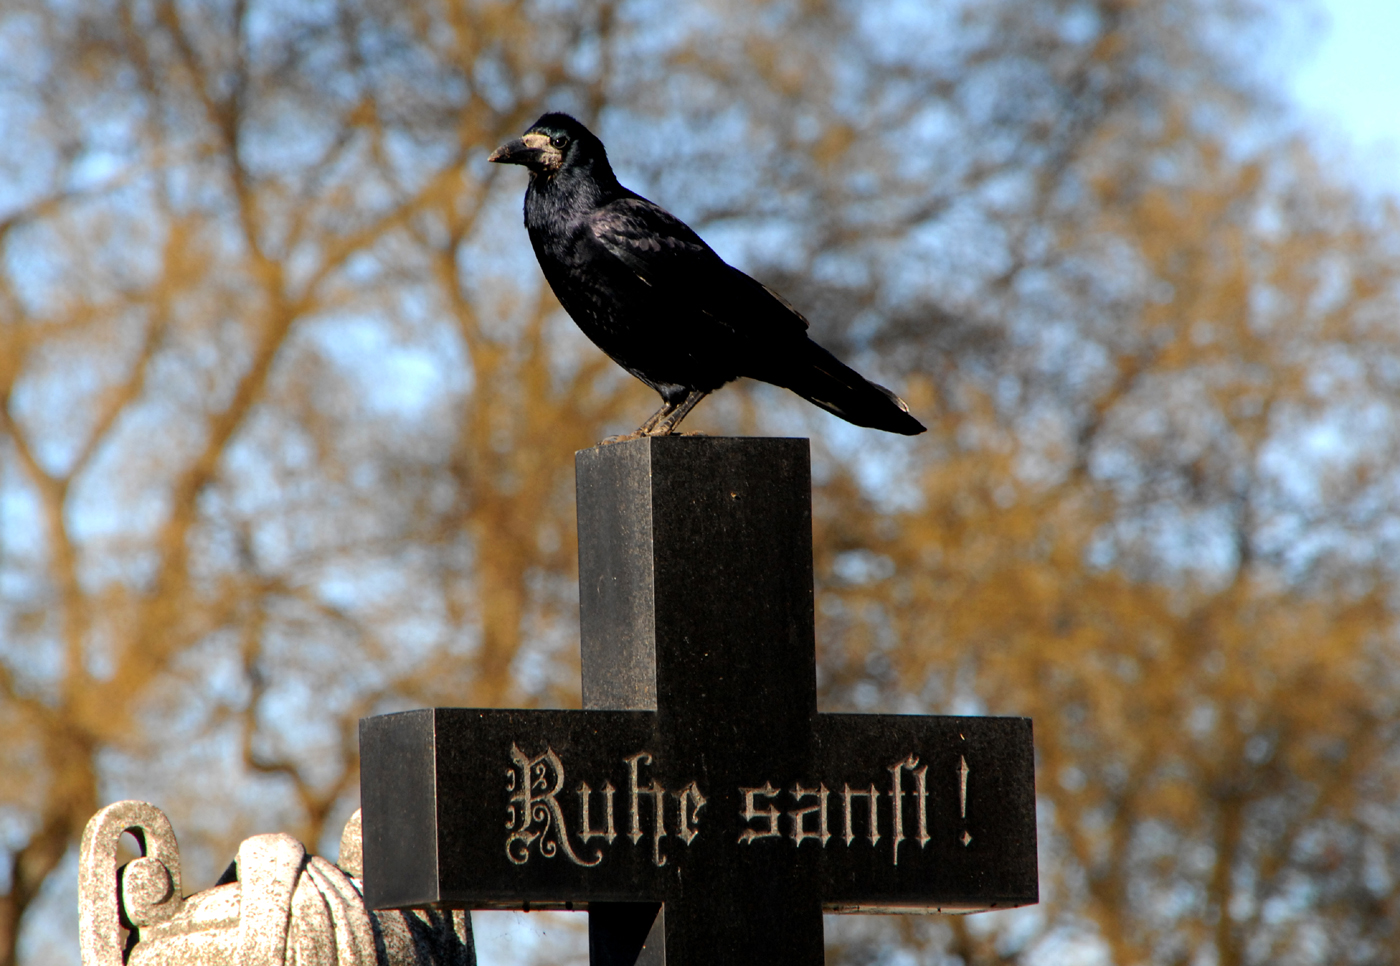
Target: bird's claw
[(639, 434)]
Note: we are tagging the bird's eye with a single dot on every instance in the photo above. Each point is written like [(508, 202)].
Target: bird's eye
[(560, 141)]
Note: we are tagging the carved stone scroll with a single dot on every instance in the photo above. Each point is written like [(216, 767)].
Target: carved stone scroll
[(284, 908)]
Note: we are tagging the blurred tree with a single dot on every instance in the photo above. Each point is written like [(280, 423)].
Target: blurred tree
[(286, 418), (1172, 543), (278, 452)]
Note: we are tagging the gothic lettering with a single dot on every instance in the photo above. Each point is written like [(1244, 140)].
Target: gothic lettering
[(587, 833), (963, 772), (691, 802), (921, 793), (535, 818), (535, 814), (658, 831), (798, 816), (873, 797), (897, 800), (634, 792), (750, 813)]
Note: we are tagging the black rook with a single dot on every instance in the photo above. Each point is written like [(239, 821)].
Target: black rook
[(699, 782)]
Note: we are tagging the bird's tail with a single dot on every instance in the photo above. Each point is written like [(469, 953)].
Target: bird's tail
[(822, 379)]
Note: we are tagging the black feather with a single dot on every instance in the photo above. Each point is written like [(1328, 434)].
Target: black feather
[(651, 294)]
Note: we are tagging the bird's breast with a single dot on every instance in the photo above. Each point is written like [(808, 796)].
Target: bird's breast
[(661, 335)]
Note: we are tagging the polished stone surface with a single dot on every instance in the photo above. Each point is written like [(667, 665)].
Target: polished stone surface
[(700, 775)]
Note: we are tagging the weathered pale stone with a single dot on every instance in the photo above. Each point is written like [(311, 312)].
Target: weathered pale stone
[(99, 901), (351, 848), (284, 908), (145, 887)]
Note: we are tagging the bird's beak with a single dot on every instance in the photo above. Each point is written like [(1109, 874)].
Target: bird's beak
[(528, 150)]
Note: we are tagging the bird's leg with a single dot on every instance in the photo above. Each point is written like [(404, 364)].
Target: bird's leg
[(646, 428), (667, 407), (668, 422)]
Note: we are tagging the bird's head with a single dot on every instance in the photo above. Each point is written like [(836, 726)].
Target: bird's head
[(552, 143)]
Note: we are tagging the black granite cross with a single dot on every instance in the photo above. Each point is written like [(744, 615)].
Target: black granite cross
[(700, 808)]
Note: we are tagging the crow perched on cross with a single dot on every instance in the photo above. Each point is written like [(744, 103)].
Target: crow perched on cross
[(652, 295)]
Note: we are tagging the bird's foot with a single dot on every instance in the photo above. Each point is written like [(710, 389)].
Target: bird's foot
[(643, 434), (635, 434)]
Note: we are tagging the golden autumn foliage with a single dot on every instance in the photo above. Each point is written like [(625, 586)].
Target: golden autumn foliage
[(287, 418), (1197, 613)]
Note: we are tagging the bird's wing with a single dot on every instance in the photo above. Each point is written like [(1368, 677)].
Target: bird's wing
[(666, 254)]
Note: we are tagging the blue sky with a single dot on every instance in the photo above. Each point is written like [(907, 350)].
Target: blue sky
[(1349, 88)]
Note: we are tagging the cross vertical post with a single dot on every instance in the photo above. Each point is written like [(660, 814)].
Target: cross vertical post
[(695, 588)]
